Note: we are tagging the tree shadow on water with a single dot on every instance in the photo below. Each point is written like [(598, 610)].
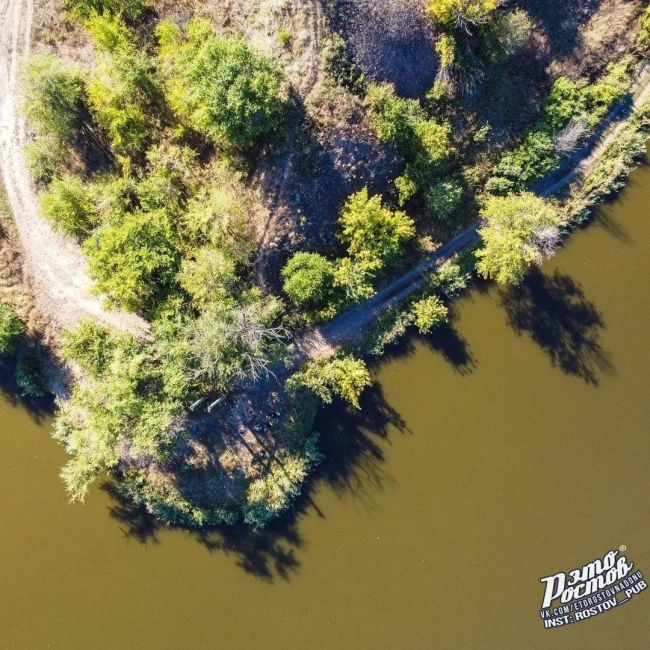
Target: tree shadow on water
[(38, 408), (352, 467), (557, 316)]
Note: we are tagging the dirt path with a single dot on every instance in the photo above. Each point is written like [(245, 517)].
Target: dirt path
[(322, 342), (54, 263), (273, 221)]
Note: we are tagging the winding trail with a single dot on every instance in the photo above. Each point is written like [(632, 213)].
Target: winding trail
[(53, 262)]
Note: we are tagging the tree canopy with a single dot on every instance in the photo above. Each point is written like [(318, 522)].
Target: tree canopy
[(224, 89), (518, 230), (373, 231)]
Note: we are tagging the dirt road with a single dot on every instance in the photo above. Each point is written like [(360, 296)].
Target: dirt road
[(54, 263)]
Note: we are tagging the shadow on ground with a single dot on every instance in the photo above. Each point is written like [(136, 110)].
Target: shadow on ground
[(554, 312)]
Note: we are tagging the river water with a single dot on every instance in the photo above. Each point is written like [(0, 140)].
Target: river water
[(510, 446)]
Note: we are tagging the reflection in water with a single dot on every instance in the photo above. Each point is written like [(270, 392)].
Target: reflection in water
[(555, 313)]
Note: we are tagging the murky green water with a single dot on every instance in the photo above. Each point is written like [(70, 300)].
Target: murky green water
[(509, 447)]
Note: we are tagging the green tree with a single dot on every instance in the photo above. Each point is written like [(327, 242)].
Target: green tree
[(309, 280), (518, 230), (403, 123), (354, 277), (429, 312), (124, 89), (92, 347), (345, 377), (124, 414), (70, 204), (11, 329), (55, 95), (134, 259), (208, 276), (218, 214), (225, 90), (232, 342), (442, 198), (372, 231)]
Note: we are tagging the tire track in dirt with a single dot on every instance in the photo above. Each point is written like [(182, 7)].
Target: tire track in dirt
[(54, 263)]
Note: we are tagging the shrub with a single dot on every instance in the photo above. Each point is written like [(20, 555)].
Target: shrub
[(403, 123), (429, 312), (518, 230), (209, 276), (43, 157), (54, 94), (373, 231), (453, 275), (11, 329), (442, 198), (575, 100), (531, 160), (226, 91), (508, 34), (386, 330), (309, 280), (91, 346), (130, 10), (345, 377), (406, 186), (285, 38), (219, 215), (69, 203), (267, 497), (134, 259), (643, 39), (338, 65)]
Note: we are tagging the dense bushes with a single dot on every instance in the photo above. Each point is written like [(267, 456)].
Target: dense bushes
[(345, 377), (569, 104), (55, 96), (518, 230), (644, 31), (373, 231), (134, 258), (11, 329), (226, 91), (130, 10), (69, 203)]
